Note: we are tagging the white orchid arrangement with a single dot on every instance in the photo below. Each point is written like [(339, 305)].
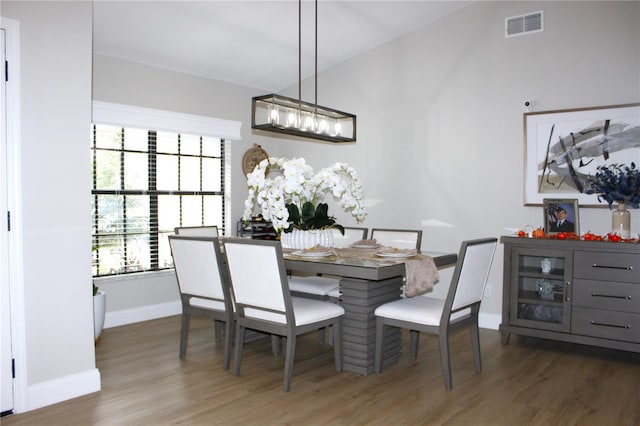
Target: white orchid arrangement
[(293, 198)]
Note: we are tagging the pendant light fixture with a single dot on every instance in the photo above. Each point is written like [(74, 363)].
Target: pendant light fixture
[(281, 114)]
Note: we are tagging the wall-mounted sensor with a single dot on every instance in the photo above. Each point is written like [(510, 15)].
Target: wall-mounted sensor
[(528, 106)]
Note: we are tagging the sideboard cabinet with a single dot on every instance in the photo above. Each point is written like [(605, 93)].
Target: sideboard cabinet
[(585, 292)]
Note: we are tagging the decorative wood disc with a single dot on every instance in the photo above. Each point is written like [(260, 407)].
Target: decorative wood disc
[(252, 158)]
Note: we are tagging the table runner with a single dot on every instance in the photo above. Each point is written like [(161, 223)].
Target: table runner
[(420, 270)]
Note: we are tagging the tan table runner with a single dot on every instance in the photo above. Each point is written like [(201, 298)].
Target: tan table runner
[(420, 270)]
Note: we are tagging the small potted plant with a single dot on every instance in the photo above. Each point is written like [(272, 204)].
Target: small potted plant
[(617, 183)]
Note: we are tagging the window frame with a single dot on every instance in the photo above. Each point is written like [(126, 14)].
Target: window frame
[(123, 117)]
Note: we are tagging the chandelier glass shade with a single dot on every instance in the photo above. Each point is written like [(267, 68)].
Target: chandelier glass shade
[(280, 114)]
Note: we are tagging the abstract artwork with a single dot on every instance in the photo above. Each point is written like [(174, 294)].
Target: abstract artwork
[(564, 147)]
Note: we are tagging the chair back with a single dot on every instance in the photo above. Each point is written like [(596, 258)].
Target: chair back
[(200, 269), (471, 273), (197, 231), (351, 235), (259, 279), (398, 238)]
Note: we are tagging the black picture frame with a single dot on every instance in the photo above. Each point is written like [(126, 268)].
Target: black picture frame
[(564, 147)]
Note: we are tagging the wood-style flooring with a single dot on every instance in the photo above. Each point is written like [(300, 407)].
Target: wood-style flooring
[(528, 382)]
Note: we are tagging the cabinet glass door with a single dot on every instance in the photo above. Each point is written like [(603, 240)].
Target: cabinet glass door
[(541, 281)]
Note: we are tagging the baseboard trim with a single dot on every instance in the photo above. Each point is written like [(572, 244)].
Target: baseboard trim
[(62, 389), (143, 313), (149, 312)]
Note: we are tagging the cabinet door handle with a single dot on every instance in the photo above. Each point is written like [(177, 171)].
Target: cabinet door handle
[(611, 296), (624, 268), (610, 325)]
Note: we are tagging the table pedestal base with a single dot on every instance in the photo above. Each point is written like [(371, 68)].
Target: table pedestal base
[(360, 298)]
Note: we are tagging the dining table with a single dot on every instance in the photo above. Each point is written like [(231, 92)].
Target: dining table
[(367, 281)]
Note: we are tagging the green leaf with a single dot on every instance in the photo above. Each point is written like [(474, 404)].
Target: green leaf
[(339, 227), (294, 214), (308, 211), (322, 210), (311, 217)]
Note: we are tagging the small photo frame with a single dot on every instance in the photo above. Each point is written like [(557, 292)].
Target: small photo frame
[(561, 215)]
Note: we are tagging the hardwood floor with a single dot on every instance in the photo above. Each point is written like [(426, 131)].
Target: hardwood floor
[(528, 382)]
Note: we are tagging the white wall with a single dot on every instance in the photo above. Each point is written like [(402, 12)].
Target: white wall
[(55, 325), (440, 143), (146, 296), (440, 138), (440, 116), (119, 81)]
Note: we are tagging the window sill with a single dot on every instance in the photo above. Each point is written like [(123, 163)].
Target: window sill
[(133, 277)]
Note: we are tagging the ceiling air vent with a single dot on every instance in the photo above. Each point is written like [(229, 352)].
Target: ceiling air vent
[(524, 24)]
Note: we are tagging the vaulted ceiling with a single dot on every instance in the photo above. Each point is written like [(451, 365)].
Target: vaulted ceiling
[(254, 43)]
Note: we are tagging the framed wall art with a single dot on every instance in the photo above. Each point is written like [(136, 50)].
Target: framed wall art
[(561, 215), (563, 147)]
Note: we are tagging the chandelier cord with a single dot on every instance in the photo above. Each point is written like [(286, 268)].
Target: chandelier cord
[(295, 117), (316, 58), (300, 50)]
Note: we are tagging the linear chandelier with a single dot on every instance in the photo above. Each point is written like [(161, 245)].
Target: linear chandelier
[(281, 114)]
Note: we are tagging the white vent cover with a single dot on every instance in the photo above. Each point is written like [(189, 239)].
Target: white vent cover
[(524, 24)]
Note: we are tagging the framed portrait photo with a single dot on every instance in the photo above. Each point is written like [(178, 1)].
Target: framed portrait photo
[(561, 215)]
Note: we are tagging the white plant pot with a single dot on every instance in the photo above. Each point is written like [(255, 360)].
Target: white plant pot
[(301, 240), (99, 311)]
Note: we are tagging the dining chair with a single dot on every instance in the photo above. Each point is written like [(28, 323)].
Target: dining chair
[(197, 231), (201, 231), (406, 239), (350, 236), (264, 303), (204, 286), (442, 317), (398, 238)]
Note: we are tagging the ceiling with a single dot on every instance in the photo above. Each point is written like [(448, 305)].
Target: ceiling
[(254, 43)]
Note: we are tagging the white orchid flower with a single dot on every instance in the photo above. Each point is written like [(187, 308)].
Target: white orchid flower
[(297, 184)]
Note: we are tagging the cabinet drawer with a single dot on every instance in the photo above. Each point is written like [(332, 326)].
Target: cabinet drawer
[(606, 324), (607, 295), (622, 267)]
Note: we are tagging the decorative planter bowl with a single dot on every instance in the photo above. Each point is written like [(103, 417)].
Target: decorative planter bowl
[(301, 240), (99, 310)]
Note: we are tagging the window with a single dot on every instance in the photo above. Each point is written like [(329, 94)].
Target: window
[(145, 183)]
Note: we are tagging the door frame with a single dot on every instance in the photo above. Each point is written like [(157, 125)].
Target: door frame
[(14, 238)]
